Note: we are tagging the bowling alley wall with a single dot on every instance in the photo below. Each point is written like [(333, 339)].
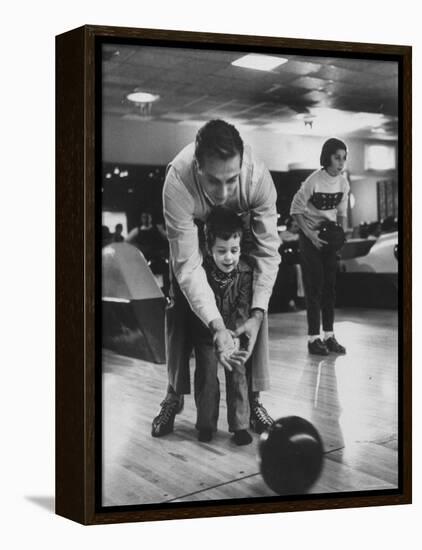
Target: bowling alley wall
[(147, 146)]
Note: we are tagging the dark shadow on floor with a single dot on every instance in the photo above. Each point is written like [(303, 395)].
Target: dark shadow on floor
[(46, 502)]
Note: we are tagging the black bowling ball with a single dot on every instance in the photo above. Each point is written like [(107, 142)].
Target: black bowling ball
[(290, 455), (158, 265), (290, 254), (333, 235)]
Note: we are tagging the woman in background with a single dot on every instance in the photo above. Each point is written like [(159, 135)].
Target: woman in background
[(321, 198)]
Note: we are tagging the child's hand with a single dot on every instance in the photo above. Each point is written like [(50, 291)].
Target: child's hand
[(234, 361), (238, 358), (227, 350)]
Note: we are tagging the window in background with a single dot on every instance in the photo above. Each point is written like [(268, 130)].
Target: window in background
[(111, 219), (380, 157)]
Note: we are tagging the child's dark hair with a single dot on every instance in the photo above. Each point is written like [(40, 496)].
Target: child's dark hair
[(222, 223), (218, 138), (330, 147)]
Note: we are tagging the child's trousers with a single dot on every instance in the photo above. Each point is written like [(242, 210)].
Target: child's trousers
[(207, 388)]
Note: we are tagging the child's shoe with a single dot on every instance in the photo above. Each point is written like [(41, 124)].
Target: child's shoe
[(242, 437), (205, 436)]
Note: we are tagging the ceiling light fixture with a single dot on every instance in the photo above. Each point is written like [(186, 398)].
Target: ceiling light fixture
[(142, 97), (143, 103), (308, 120), (259, 62)]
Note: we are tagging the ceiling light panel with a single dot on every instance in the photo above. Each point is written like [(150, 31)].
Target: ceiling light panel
[(259, 62), (142, 97)]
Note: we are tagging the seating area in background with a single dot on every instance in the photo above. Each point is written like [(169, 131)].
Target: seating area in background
[(367, 269)]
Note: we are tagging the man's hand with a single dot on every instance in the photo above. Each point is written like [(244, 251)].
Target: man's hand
[(224, 347), (250, 331)]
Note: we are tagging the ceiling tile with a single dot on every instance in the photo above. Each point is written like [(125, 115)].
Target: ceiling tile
[(194, 84)]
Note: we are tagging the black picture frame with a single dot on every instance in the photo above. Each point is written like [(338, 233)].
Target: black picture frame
[(78, 405)]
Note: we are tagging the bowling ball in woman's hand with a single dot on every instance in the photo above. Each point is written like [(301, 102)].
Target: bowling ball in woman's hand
[(333, 235)]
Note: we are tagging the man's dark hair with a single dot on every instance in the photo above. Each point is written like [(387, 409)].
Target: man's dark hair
[(218, 139), (222, 223), (330, 147)]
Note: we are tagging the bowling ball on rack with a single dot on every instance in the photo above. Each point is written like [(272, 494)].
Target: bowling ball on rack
[(290, 253), (333, 235), (290, 455)]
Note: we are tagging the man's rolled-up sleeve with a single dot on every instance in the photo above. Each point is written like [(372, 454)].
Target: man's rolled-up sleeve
[(267, 241), (185, 254)]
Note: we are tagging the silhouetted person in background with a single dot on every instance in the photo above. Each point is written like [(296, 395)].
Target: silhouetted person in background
[(146, 237), (290, 257), (117, 235), (291, 233)]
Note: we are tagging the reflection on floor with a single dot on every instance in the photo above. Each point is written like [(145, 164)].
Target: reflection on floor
[(351, 400)]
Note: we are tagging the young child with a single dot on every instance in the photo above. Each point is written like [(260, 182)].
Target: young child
[(322, 197), (230, 277)]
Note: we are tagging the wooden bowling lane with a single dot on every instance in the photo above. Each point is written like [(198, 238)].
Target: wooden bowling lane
[(351, 400)]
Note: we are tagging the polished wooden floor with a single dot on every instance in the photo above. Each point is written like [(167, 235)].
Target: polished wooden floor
[(352, 400)]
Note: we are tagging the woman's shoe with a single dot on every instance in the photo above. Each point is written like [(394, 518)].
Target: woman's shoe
[(334, 346), (317, 347)]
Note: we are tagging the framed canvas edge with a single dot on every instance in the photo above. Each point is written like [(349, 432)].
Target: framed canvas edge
[(76, 404)]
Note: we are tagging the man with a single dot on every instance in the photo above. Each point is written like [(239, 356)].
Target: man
[(217, 170)]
